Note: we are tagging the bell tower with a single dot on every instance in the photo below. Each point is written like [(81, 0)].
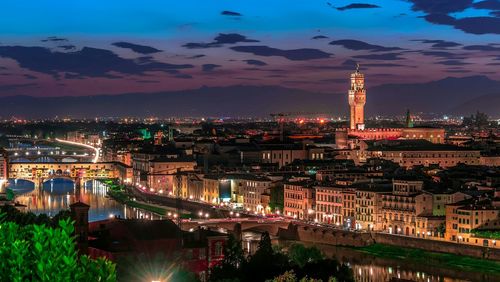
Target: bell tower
[(357, 100)]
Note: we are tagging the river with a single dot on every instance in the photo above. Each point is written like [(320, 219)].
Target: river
[(58, 194)]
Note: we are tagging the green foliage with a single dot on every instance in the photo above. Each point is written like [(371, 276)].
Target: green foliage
[(290, 276), (433, 259), (10, 194), (123, 198), (301, 264), (489, 234), (277, 198), (301, 255), (233, 253), (11, 214), (41, 253)]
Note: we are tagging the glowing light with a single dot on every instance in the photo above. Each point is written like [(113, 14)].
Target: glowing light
[(96, 158)]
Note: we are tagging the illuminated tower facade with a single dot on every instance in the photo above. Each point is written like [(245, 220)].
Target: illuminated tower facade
[(357, 100)]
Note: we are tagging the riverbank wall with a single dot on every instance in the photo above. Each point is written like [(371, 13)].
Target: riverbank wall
[(338, 237), (437, 246), (323, 235)]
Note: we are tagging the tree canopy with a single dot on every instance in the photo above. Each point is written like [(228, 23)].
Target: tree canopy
[(272, 264), (40, 253)]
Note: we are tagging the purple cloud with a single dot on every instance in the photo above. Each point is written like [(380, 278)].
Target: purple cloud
[(360, 45), (220, 40), (141, 49), (293, 55), (357, 6), (255, 62), (89, 62), (231, 14)]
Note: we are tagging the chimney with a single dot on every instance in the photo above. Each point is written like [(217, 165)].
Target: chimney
[(80, 215)]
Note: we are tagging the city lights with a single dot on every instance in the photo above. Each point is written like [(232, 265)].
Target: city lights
[(248, 141)]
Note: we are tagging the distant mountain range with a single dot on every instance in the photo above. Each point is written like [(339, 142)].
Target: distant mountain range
[(461, 96), (449, 95)]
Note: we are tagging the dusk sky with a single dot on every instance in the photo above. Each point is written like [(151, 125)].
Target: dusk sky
[(60, 48)]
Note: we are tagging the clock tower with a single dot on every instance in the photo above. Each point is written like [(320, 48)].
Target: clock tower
[(357, 100)]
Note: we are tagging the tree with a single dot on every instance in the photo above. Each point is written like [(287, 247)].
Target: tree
[(233, 252), (265, 246), (290, 276), (272, 264), (277, 198), (301, 255), (233, 261), (12, 214), (266, 263), (40, 253)]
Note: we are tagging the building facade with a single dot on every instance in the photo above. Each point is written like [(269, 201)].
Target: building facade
[(299, 200)]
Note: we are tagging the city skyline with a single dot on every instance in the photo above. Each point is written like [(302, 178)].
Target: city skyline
[(107, 48), (250, 140)]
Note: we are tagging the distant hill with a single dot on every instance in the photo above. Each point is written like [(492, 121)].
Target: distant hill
[(489, 104), (233, 101), (449, 95)]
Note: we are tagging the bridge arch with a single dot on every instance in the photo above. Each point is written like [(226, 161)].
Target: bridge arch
[(16, 180), (69, 160), (52, 178)]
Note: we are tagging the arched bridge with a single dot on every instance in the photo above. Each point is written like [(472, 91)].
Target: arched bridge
[(232, 225), (79, 172)]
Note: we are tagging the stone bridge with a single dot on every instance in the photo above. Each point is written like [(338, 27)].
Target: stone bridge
[(237, 226), (78, 172)]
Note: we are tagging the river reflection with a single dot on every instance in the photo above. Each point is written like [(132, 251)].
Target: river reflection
[(58, 194), (369, 268)]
